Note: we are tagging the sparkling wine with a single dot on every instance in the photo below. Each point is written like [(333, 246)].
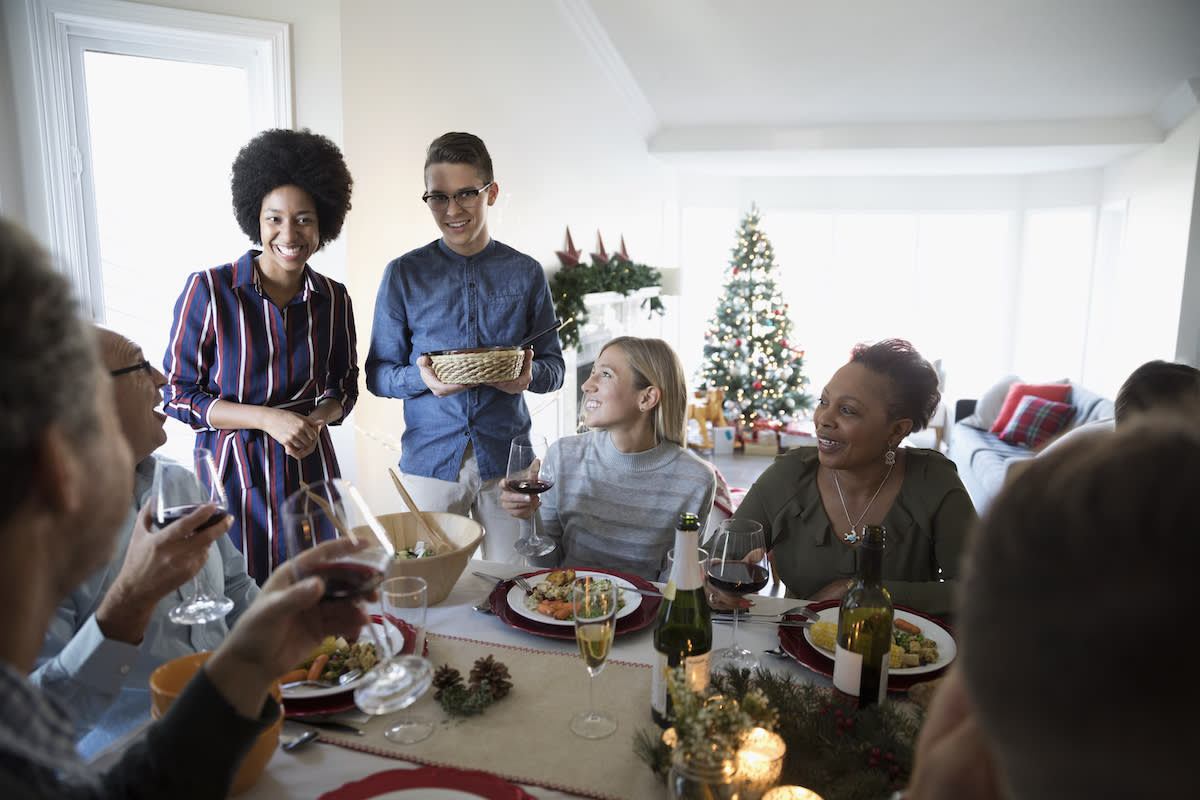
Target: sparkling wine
[(594, 640), (864, 637), (530, 487), (683, 631), (737, 577), (166, 516), (347, 579)]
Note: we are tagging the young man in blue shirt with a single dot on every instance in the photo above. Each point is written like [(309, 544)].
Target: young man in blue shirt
[(462, 290)]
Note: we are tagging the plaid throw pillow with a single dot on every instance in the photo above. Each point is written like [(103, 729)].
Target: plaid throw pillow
[(1036, 420)]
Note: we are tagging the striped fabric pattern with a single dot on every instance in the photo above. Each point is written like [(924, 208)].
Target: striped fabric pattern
[(229, 341), (1036, 420)]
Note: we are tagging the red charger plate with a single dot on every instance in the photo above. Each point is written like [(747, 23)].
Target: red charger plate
[(645, 613), (344, 701), (795, 645), (482, 784)]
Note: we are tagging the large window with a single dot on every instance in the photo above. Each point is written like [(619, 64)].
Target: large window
[(146, 108)]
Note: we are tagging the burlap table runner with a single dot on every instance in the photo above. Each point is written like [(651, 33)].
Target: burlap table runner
[(525, 737)]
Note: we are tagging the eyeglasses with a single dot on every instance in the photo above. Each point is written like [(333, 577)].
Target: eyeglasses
[(144, 365), (467, 198)]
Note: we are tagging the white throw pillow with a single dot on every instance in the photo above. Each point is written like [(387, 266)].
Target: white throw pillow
[(987, 408)]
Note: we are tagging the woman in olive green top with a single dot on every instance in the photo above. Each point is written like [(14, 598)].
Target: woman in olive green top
[(814, 506)]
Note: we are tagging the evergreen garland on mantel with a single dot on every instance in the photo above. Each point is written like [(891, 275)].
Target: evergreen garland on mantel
[(615, 273)]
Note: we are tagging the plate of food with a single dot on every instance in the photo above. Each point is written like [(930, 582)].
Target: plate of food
[(508, 602), (550, 601), (812, 645), (331, 659), (445, 783)]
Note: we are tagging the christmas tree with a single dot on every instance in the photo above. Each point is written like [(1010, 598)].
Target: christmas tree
[(749, 352)]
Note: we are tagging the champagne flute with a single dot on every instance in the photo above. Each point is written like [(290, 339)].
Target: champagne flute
[(176, 492), (594, 605), (401, 679), (738, 565), (527, 474)]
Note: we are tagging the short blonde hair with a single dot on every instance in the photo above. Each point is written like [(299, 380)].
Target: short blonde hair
[(654, 363)]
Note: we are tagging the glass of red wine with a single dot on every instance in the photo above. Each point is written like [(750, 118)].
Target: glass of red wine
[(176, 492), (737, 565), (528, 474)]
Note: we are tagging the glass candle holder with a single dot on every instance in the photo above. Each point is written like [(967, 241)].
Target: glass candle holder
[(759, 763), (791, 793)]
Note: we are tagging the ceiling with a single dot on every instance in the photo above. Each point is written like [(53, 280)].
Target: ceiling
[(874, 87)]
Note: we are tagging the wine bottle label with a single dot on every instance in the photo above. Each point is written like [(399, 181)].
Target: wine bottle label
[(847, 671), (669, 591), (697, 668)]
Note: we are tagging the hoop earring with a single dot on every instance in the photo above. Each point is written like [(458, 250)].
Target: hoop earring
[(889, 457)]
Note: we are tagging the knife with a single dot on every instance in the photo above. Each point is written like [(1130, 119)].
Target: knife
[(341, 727), (788, 623)]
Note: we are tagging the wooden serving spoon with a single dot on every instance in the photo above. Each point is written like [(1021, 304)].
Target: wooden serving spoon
[(439, 542)]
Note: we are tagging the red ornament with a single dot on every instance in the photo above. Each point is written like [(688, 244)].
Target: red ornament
[(570, 256), (757, 385), (737, 342), (602, 256), (735, 270)]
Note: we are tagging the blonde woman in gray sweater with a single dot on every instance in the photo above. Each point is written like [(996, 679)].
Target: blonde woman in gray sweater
[(622, 485)]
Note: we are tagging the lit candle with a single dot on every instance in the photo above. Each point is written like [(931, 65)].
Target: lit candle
[(791, 793), (760, 760)]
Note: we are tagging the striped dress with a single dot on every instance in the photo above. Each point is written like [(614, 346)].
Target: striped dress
[(229, 341)]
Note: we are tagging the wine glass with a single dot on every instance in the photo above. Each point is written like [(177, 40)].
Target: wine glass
[(401, 679), (594, 605), (176, 492), (527, 474), (738, 565)]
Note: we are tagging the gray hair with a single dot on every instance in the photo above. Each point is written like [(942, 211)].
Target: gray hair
[(47, 359)]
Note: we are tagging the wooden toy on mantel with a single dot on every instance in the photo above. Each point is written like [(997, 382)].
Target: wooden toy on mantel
[(710, 408)]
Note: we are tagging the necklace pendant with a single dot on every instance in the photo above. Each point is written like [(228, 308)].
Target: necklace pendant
[(851, 537)]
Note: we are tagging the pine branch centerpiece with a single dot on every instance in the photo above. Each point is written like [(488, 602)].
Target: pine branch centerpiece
[(837, 750), (750, 351), (607, 273)]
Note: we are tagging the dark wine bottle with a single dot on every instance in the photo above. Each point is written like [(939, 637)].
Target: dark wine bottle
[(683, 631), (864, 636)]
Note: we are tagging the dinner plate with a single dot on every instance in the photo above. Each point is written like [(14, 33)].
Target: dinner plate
[(429, 783), (641, 616), (516, 600), (313, 692), (341, 698), (797, 643)]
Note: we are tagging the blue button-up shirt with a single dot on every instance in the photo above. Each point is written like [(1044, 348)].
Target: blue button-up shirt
[(435, 299)]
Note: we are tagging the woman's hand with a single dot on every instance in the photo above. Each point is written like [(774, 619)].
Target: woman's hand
[(834, 590), (297, 433), (518, 505)]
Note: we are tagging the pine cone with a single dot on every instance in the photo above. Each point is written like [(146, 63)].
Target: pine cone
[(495, 673), (444, 678)]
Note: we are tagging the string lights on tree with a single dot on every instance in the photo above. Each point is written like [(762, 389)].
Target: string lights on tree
[(750, 351)]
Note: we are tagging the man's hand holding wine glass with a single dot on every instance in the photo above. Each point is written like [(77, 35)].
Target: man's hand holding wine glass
[(156, 563), (283, 625)]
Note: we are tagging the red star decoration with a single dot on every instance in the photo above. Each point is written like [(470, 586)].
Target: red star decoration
[(600, 257), (570, 256), (624, 255)]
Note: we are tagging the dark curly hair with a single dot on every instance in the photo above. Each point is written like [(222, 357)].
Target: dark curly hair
[(461, 148), (915, 393), (282, 157)]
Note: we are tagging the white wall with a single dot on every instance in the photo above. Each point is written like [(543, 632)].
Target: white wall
[(564, 148), (1157, 189)]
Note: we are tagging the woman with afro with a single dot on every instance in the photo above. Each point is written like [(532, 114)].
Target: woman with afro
[(262, 355)]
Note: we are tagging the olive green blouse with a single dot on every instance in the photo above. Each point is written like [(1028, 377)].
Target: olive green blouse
[(927, 529)]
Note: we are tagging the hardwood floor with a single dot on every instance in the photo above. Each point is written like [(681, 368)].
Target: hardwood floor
[(740, 470)]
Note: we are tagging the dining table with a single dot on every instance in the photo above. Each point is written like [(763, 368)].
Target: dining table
[(524, 739)]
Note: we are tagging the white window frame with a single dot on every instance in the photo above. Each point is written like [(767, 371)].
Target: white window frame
[(60, 32)]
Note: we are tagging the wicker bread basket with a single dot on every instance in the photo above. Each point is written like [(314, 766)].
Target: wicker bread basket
[(477, 364)]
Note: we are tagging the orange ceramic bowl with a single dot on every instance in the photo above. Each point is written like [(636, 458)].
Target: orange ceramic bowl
[(168, 681)]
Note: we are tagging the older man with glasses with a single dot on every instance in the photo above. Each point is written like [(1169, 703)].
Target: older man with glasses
[(112, 631)]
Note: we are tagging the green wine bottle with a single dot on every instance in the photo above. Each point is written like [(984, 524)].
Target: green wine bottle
[(683, 631), (864, 636)]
